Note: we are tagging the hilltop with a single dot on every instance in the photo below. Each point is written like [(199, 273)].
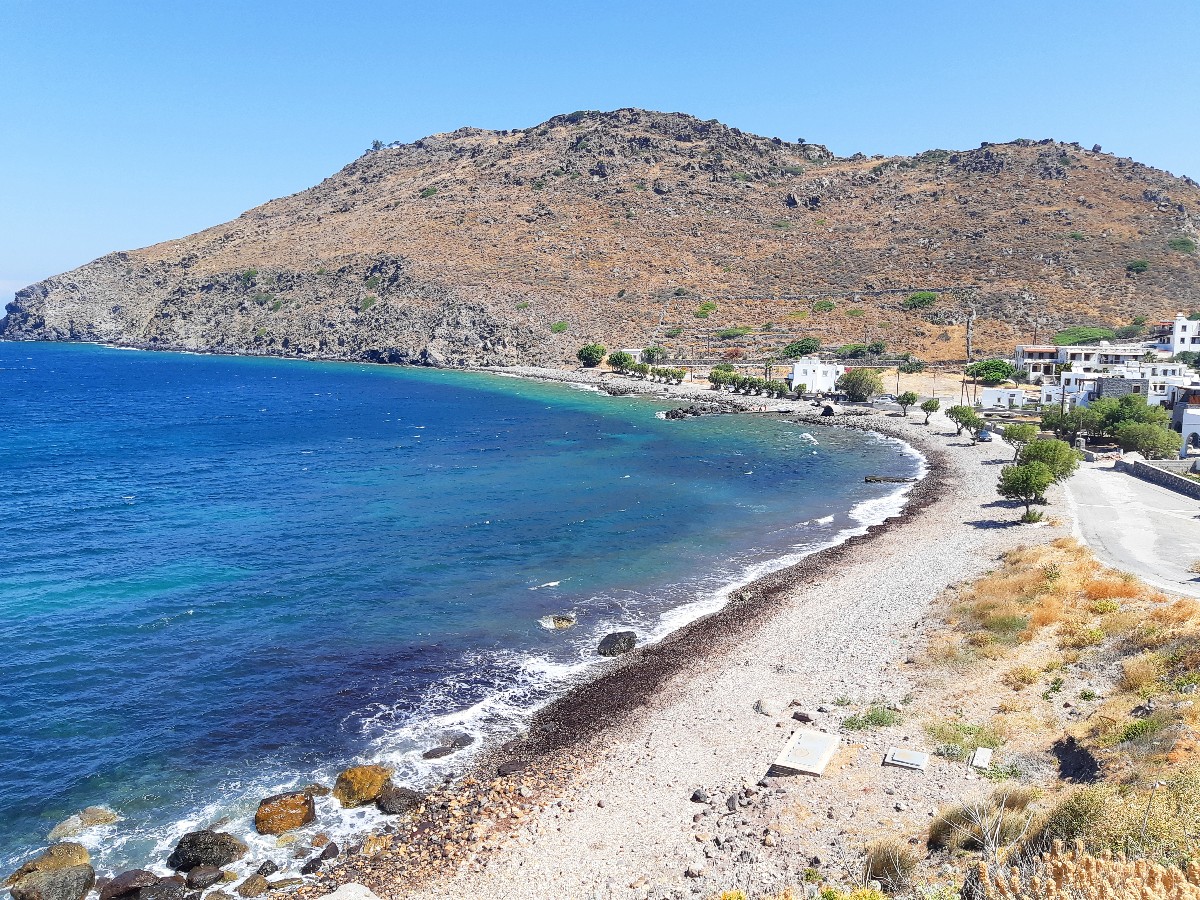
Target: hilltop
[(631, 227)]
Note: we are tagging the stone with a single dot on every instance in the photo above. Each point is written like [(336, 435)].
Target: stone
[(284, 812), (280, 883), (331, 850), (205, 848), (63, 883), (617, 643), (128, 883), (90, 817), (699, 796), (437, 752), (312, 866), (56, 856), (317, 790), (457, 739), (218, 895), (803, 715), (359, 785), (351, 891), (768, 707), (266, 869), (512, 767), (560, 621), (202, 877), (165, 889), (320, 840), (394, 800), (254, 886)]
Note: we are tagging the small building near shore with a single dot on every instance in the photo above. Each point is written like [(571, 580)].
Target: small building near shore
[(817, 376), (1004, 398)]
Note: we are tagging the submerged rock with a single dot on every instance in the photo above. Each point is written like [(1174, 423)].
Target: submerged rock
[(617, 643), (205, 848), (165, 889), (66, 883), (558, 621), (128, 883), (284, 812), (203, 877), (395, 800), (359, 785), (437, 752), (87, 818), (56, 856)]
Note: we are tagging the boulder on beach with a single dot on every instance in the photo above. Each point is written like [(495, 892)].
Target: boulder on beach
[(56, 856), (128, 883), (66, 883), (284, 812), (205, 848), (254, 886), (395, 800), (87, 818), (359, 785), (203, 877), (617, 643), (437, 752), (165, 889)]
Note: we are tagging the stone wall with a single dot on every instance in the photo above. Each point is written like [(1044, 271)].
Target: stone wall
[(1161, 477)]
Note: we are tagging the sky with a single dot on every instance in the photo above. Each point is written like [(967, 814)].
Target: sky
[(127, 123)]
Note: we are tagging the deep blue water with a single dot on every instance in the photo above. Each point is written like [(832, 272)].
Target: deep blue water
[(224, 576)]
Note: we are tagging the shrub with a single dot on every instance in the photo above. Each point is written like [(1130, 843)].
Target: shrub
[(1152, 441), (654, 353), (872, 717), (591, 355), (912, 366), (1137, 266), (682, 292), (1141, 672), (676, 331), (524, 304), (929, 407), (726, 334), (1021, 677), (852, 351), (248, 277), (802, 347), (1083, 334), (1182, 244), (919, 300), (957, 740), (823, 306), (428, 192), (991, 371), (559, 327), (860, 384), (891, 862), (856, 312), (1025, 483), (367, 302), (907, 399), (1077, 236), (1058, 456), (372, 282), (620, 360), (705, 309)]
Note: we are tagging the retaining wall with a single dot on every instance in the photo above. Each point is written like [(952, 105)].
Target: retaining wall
[(1161, 477)]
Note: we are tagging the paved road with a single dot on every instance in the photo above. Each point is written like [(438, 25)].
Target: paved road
[(1138, 527)]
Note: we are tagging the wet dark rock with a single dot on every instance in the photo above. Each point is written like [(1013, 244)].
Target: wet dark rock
[(267, 868), (437, 752), (696, 409), (205, 848), (68, 883), (166, 889), (128, 883), (312, 866), (395, 800), (316, 790), (203, 877), (331, 850), (458, 739), (512, 767), (617, 643)]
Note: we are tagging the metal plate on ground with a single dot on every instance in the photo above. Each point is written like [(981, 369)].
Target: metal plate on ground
[(807, 752), (981, 759), (906, 759)]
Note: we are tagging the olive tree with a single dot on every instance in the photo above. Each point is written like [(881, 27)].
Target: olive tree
[(930, 406), (1025, 483), (860, 384), (907, 399), (1017, 436), (591, 355)]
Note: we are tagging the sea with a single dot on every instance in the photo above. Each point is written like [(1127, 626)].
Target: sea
[(223, 577)]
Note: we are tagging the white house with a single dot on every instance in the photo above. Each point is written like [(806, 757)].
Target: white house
[(1176, 336), (816, 376), (1042, 360), (1006, 398)]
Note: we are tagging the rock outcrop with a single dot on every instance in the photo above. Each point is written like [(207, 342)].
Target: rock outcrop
[(205, 848), (67, 883), (360, 785), (284, 812), (632, 227)]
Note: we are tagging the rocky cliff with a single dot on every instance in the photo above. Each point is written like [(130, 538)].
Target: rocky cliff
[(632, 227)]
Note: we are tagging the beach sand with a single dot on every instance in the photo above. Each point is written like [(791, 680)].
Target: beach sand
[(604, 807)]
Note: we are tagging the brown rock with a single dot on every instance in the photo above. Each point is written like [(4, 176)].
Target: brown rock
[(359, 785), (128, 883), (56, 856), (284, 812), (64, 883), (254, 886), (317, 790), (320, 840)]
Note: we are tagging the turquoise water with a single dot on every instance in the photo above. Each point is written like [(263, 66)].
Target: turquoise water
[(226, 576)]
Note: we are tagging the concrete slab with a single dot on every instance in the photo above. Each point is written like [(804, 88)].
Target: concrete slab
[(981, 759), (906, 759), (806, 752)]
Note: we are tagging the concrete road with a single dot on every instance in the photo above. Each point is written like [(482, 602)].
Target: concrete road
[(1138, 527)]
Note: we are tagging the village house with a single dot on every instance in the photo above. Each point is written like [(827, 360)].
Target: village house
[(817, 376)]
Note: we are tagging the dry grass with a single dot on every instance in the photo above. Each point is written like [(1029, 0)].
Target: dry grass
[(891, 862), (1141, 672), (1075, 874)]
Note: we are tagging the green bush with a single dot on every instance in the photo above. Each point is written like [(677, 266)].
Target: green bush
[(803, 347), (919, 300), (428, 192), (727, 334), (873, 717), (1026, 483), (1083, 334), (367, 302), (1182, 244), (619, 360), (249, 277), (654, 353), (912, 366), (1077, 236), (991, 371), (856, 312), (907, 399), (823, 306), (559, 327), (673, 332), (852, 351), (860, 384), (705, 309), (591, 355), (1058, 456), (1152, 441), (1137, 266)]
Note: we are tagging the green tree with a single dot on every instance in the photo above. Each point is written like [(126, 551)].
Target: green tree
[(803, 347), (912, 366), (1108, 414), (654, 354), (852, 351), (1017, 436), (930, 406), (960, 416), (860, 384), (1068, 423), (876, 348), (591, 355), (620, 361), (991, 371), (907, 399), (1026, 483), (974, 424), (1152, 441), (1058, 456)]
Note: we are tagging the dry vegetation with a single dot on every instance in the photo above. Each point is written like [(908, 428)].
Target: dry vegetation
[(1075, 874)]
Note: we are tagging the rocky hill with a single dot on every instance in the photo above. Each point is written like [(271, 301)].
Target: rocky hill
[(634, 227)]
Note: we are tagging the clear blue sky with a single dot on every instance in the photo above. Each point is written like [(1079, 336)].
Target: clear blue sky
[(127, 123)]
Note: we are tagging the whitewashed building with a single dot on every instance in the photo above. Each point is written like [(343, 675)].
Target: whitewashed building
[(1041, 360), (1177, 335), (1004, 398), (817, 376)]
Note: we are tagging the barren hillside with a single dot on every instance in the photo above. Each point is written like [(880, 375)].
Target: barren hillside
[(633, 227)]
